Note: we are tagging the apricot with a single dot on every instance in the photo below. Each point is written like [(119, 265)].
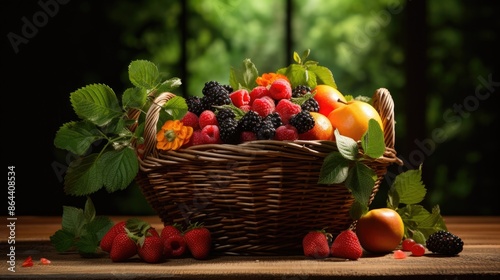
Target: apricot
[(328, 98), (380, 230)]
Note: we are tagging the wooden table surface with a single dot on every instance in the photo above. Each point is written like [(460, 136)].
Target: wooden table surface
[(480, 259)]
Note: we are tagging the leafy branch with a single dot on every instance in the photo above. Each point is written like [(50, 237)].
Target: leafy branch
[(102, 139), (347, 165)]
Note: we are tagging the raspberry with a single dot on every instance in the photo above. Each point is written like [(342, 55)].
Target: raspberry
[(248, 136), (286, 133), (263, 106), (207, 117), (407, 244), (240, 97), (196, 139), (280, 89), (246, 108), (258, 92), (398, 254), (444, 242), (210, 134), (287, 109), (190, 119), (417, 250)]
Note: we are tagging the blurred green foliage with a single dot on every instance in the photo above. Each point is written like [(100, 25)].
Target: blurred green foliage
[(363, 43)]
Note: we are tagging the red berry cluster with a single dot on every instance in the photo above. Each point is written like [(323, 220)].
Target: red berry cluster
[(262, 113), (127, 239)]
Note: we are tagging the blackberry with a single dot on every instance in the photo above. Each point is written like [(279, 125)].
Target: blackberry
[(300, 90), (266, 131), (444, 242), (310, 105), (250, 121), (229, 132), (223, 114), (228, 88), (194, 104), (214, 94), (302, 121), (275, 118)]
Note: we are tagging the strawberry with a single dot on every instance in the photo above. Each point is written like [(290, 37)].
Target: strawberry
[(123, 247), (150, 248), (346, 245), (198, 241), (315, 244), (107, 239), (174, 246), (170, 230)]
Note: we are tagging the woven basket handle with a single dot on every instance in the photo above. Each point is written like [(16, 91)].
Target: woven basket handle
[(152, 117), (383, 103)]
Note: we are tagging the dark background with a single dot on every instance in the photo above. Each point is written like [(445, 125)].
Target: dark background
[(447, 49)]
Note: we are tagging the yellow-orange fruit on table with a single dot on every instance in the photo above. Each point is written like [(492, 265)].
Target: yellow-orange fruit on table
[(322, 130), (328, 98), (352, 119), (380, 230)]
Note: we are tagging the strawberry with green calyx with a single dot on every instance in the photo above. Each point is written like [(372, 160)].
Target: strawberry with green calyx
[(346, 245), (107, 240), (316, 244), (124, 246), (198, 240), (150, 248)]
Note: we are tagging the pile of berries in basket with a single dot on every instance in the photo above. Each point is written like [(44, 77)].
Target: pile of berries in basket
[(272, 110)]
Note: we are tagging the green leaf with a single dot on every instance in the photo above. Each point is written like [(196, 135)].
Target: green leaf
[(323, 74), (89, 210), (392, 198), (245, 76), (360, 182), (372, 141), (418, 236), (121, 168), (62, 240), (96, 103), (87, 244), (176, 107), (334, 169), (84, 176), (134, 98), (143, 74), (417, 218), (169, 85), (77, 137), (357, 210), (99, 225), (346, 146), (409, 186), (72, 220)]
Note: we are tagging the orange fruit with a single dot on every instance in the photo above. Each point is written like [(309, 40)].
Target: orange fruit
[(352, 119), (380, 230), (328, 98), (322, 130)]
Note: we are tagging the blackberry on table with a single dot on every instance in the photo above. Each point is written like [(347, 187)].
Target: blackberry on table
[(250, 121), (303, 121), (300, 90), (229, 131), (444, 242)]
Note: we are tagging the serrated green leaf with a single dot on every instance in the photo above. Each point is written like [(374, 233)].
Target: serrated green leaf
[(116, 127), (84, 176), (99, 225), (89, 211), (62, 240), (96, 103), (176, 107), (121, 168), (143, 74), (77, 137), (72, 220), (409, 186), (418, 236), (334, 169), (360, 182), (134, 97), (346, 146), (392, 198), (87, 244), (372, 141), (323, 74), (169, 85)]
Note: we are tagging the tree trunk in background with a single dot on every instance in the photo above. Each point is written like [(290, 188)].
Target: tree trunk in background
[(416, 82)]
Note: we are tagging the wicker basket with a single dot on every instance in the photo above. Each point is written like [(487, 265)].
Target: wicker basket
[(259, 197)]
